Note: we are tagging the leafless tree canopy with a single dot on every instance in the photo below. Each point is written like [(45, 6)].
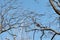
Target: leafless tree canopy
[(14, 21)]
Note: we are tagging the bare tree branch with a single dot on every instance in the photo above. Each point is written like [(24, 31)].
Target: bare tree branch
[(53, 36), (54, 7)]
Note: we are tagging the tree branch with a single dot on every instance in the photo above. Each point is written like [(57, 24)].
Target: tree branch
[(54, 7)]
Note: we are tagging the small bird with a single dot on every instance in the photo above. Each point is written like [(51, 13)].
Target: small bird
[(38, 25)]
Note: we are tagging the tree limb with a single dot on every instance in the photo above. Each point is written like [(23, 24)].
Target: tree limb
[(54, 7)]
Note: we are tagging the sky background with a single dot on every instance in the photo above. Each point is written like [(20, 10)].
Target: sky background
[(38, 6)]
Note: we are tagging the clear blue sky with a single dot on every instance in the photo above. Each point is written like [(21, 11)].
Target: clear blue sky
[(38, 6)]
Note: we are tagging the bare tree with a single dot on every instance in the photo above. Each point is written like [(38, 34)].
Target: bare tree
[(24, 21), (10, 19), (43, 29)]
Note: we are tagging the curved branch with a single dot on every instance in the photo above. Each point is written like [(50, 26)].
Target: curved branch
[(54, 7)]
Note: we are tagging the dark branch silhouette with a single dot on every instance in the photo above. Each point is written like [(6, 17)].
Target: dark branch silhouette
[(54, 7)]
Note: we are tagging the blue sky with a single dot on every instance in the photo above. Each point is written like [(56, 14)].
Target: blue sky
[(38, 6)]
